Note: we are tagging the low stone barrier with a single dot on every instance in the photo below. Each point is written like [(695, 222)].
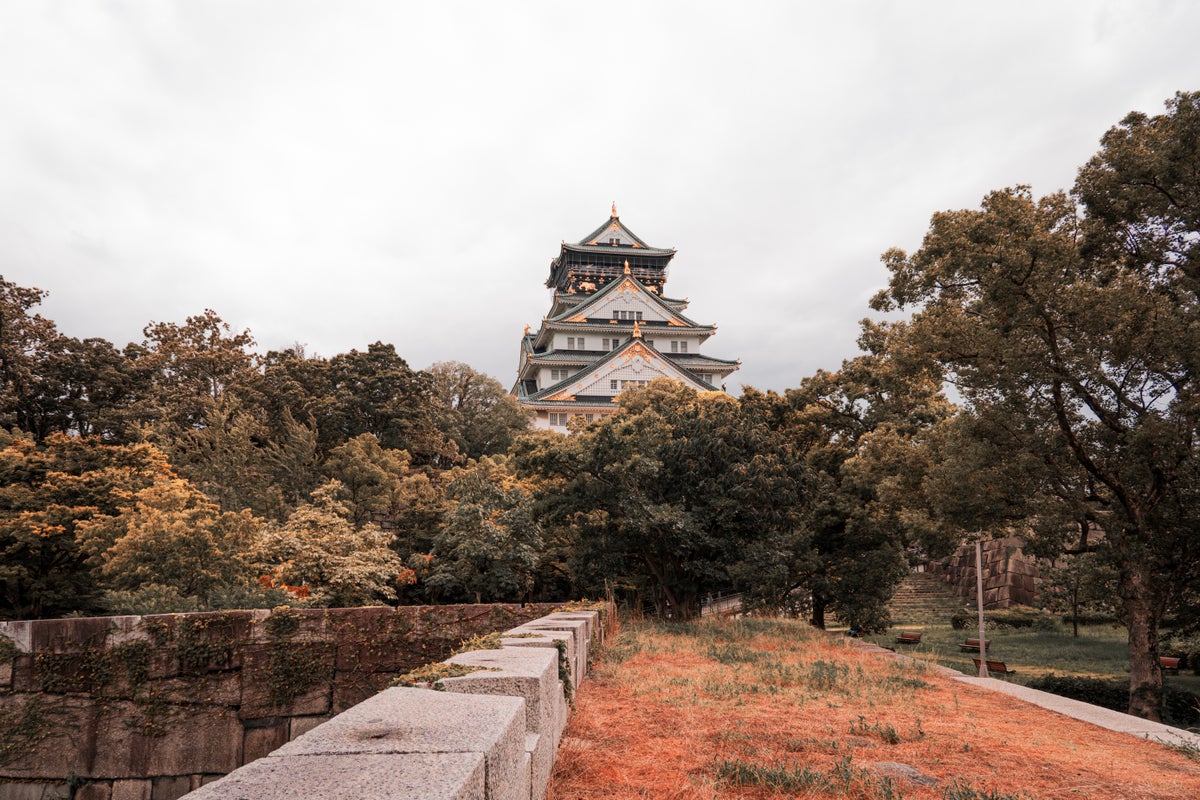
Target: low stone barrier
[(491, 734), (153, 707)]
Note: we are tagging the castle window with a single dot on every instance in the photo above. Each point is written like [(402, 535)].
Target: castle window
[(613, 385)]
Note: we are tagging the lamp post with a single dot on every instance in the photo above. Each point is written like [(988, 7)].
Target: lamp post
[(983, 670)]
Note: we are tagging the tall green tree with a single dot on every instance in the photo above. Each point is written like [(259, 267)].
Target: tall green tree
[(376, 392), (488, 547), (181, 369), (668, 497), (473, 410), (1074, 342), (859, 431)]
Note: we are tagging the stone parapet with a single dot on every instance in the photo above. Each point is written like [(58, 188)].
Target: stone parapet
[(491, 734)]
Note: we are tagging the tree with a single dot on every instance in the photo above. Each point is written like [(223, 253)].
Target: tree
[(858, 431), (473, 410), (181, 369), (320, 550), (488, 546), (666, 497), (226, 456), (1077, 357), (46, 493), (173, 537), (376, 392)]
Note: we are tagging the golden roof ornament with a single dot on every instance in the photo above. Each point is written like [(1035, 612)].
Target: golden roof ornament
[(627, 266), (614, 209), (526, 330), (637, 330)]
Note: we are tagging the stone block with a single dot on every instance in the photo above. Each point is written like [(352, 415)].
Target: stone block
[(100, 790), (362, 776), (519, 789), (123, 630), (102, 740), (261, 741), (32, 790), (298, 726), (405, 720), (530, 637), (211, 688), (577, 647), (591, 618), (131, 790), (170, 787), (311, 626), (6, 675), (351, 688), (578, 631), (24, 676), (19, 632), (270, 668), (528, 672), (73, 635), (541, 751)]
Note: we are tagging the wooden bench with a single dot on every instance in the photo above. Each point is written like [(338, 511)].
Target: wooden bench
[(998, 667), (972, 645), (909, 637), (1169, 664)]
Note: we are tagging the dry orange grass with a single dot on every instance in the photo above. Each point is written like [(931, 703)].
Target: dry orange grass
[(719, 710)]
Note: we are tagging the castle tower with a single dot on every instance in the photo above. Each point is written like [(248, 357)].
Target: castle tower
[(609, 328)]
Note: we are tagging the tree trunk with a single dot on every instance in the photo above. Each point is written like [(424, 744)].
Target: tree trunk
[(818, 612), (1145, 674)]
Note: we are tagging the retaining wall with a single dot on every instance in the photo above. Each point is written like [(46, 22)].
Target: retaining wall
[(150, 708), (1009, 576), (492, 734)]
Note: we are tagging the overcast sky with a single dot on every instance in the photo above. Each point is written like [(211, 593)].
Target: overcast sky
[(339, 173)]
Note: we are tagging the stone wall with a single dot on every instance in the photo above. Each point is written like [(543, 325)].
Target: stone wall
[(1009, 576), (149, 708), (489, 735)]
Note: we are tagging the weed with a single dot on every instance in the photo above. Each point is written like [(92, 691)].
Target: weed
[(733, 654), (1186, 749), (490, 641), (961, 791), (885, 732), (432, 675), (825, 675), (781, 779)]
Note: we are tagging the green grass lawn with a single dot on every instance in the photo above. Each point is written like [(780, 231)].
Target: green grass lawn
[(1098, 652)]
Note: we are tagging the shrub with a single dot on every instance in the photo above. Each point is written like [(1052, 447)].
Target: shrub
[(1180, 707), (1093, 618), (1014, 617)]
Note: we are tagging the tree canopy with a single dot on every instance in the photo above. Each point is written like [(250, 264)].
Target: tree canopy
[(1072, 336)]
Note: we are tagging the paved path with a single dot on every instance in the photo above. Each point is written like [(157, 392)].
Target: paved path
[(1077, 709), (1104, 717)]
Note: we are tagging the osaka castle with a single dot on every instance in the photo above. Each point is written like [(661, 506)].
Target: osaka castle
[(610, 327)]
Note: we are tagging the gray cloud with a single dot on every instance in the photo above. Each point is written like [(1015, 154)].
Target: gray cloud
[(339, 174)]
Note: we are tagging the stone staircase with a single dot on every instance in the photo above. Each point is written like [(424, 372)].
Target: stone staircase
[(923, 598)]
